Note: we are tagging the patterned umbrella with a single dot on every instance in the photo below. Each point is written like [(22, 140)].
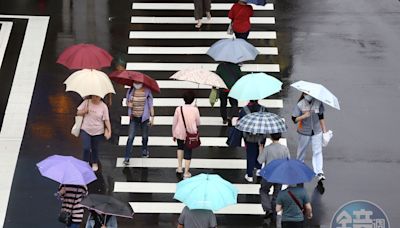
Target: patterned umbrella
[(261, 123), (200, 76)]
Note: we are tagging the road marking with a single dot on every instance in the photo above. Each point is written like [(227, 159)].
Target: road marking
[(152, 187), (190, 6), (5, 32), (167, 120), (19, 102), (196, 35), (204, 102), (191, 20), (176, 208), (154, 66), (147, 50), (167, 141)]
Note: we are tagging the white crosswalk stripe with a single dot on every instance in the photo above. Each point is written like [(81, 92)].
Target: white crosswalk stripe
[(195, 35), (189, 6), (167, 120), (191, 20), (147, 50)]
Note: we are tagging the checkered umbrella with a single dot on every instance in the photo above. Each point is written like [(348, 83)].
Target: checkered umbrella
[(261, 123)]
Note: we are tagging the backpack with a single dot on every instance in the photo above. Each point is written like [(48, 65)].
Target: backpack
[(253, 138)]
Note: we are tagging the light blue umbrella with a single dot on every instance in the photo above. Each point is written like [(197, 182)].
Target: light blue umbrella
[(233, 51), (255, 86), (206, 191)]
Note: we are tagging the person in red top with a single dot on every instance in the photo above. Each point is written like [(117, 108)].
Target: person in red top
[(240, 14)]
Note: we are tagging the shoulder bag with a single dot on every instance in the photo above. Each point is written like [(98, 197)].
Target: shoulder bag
[(297, 202), (192, 139), (78, 123)]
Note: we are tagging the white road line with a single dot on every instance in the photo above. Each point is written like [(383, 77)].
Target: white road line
[(167, 120), (19, 102), (167, 141), (153, 66), (176, 208), (190, 6), (152, 187), (191, 20), (148, 50), (4, 35), (196, 35), (204, 102)]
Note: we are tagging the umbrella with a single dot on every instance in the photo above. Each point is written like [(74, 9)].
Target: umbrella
[(255, 86), (127, 77), (232, 50), (200, 76), (261, 123), (257, 2), (287, 171), (317, 91), (89, 82), (104, 204), (85, 56), (66, 170), (206, 191)]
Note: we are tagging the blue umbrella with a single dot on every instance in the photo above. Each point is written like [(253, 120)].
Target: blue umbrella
[(206, 191), (287, 171), (232, 50), (257, 2)]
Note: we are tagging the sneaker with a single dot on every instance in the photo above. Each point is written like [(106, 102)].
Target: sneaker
[(126, 162), (268, 215), (258, 172), (249, 179), (95, 167), (145, 154), (186, 176), (321, 176), (198, 25), (208, 14), (225, 121)]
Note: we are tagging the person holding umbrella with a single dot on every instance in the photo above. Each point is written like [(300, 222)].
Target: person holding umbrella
[(240, 14), (71, 196), (198, 218), (98, 220)]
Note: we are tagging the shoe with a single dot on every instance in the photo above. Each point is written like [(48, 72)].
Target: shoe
[(321, 176), (186, 176), (145, 154), (249, 179), (224, 121), (179, 172), (258, 172), (95, 167), (208, 14), (126, 162), (198, 25), (268, 215)]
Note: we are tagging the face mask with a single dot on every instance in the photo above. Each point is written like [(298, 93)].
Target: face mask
[(137, 85), (308, 98)]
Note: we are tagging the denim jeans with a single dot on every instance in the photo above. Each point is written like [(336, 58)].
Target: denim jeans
[(234, 110), (316, 146), (90, 146), (252, 152), (133, 125), (74, 225)]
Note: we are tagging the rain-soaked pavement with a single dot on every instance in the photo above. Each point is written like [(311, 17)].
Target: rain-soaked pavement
[(351, 46)]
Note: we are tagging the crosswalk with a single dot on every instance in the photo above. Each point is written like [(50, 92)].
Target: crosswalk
[(145, 41)]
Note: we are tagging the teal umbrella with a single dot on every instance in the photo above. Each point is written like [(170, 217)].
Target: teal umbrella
[(206, 191), (255, 86)]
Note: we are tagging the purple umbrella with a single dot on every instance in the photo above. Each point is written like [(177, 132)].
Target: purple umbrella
[(66, 170)]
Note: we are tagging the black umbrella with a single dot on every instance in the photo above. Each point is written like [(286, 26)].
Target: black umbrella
[(108, 205)]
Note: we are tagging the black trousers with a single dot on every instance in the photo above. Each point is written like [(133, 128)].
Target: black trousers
[(293, 224), (234, 111)]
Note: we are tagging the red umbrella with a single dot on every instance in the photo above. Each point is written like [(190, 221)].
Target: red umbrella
[(127, 77), (85, 56)]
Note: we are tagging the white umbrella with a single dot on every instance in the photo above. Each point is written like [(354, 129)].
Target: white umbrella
[(89, 82), (200, 76), (317, 91)]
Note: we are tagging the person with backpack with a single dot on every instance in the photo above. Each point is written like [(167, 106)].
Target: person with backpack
[(139, 100), (230, 73), (252, 142)]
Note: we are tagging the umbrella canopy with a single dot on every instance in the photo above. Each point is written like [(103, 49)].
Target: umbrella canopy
[(89, 82), (257, 2), (84, 56), (127, 77), (108, 205), (233, 51), (200, 76), (206, 191), (317, 91), (261, 123), (255, 86), (66, 170), (287, 171)]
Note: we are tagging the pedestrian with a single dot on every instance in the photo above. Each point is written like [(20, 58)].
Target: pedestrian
[(273, 151), (96, 123), (230, 73), (240, 14), (97, 220), (308, 114), (201, 7), (71, 197), (139, 100), (292, 201), (191, 115), (197, 218), (252, 148)]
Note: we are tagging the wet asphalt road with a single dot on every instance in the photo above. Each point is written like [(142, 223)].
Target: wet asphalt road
[(352, 47)]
